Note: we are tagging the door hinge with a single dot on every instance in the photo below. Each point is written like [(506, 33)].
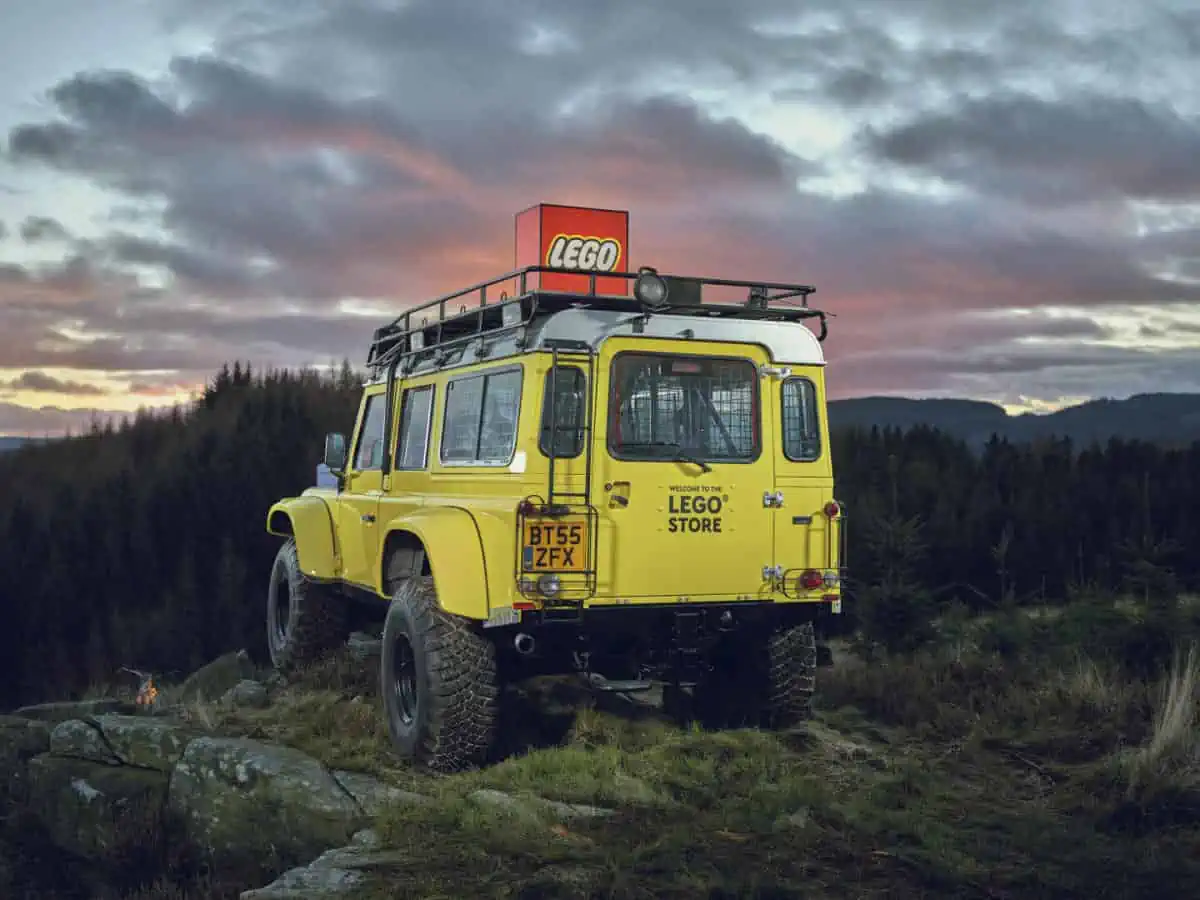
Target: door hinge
[(772, 498), (772, 573), (774, 372)]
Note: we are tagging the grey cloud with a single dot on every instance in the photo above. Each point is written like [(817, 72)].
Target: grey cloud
[(1077, 148), (42, 383), (36, 229)]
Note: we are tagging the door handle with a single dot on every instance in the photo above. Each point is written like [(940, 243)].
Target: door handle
[(619, 493), (369, 518)]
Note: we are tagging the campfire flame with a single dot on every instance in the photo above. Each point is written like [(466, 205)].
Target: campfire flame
[(147, 692)]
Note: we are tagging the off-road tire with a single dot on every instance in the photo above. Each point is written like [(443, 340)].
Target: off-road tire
[(791, 682), (316, 619), (456, 691), (763, 679)]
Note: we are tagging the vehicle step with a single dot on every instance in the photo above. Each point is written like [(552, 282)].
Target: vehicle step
[(632, 686)]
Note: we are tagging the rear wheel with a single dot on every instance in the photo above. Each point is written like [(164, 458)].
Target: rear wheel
[(761, 679), (305, 620), (438, 681)]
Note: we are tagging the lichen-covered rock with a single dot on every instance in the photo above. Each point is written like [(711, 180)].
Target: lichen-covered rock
[(538, 807), (211, 682), (96, 811), (78, 739), (373, 795), (145, 742), (74, 709), (248, 694), (20, 739), (243, 798), (337, 874)]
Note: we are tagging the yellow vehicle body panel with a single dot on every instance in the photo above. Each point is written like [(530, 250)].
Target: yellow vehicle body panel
[(456, 558), (667, 531), (309, 518)]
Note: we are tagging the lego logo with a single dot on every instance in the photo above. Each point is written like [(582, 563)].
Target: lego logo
[(574, 251)]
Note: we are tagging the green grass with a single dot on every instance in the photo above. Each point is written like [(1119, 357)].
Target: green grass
[(1022, 757)]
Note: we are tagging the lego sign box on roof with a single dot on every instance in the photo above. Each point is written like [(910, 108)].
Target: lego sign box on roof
[(573, 238)]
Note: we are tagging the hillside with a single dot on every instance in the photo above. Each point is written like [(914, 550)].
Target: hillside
[(971, 769), (1160, 418)]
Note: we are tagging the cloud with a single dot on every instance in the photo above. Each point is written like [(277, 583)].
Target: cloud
[(935, 168), (36, 229), (39, 382), (1078, 148), (50, 420)]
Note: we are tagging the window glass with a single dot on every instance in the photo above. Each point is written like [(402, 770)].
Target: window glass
[(662, 406), (481, 418), (369, 454), (801, 424), (415, 411), (566, 383)]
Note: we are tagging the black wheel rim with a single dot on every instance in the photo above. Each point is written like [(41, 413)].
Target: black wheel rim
[(404, 679), (283, 612)]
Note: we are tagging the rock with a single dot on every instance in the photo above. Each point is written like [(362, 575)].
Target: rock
[(94, 810), (249, 694), (336, 873), (538, 806), (798, 819), (213, 680), (78, 709), (373, 795), (145, 742), (78, 739), (243, 798), (20, 739)]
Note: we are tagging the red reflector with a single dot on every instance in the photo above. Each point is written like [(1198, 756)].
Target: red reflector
[(524, 604), (832, 509), (830, 598), (811, 580)]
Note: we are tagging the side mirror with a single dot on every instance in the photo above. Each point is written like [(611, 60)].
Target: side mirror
[(335, 452)]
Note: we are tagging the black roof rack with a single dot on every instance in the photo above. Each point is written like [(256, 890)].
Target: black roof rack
[(436, 325)]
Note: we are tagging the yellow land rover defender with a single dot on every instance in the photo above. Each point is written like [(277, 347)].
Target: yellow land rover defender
[(635, 488)]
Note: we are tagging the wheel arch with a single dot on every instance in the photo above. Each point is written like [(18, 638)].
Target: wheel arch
[(443, 542), (309, 521)]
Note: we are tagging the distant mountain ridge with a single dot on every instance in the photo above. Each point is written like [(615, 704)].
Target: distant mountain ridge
[(1159, 418)]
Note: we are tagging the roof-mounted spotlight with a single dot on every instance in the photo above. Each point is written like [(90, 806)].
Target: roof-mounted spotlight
[(650, 288)]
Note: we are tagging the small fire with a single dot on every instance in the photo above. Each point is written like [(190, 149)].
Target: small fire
[(147, 693)]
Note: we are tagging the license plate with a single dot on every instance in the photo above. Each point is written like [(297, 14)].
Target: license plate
[(554, 547)]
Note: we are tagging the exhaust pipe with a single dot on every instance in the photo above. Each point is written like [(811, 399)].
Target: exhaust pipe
[(524, 643)]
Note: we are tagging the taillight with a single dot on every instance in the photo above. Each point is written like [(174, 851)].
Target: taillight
[(832, 509), (811, 579)]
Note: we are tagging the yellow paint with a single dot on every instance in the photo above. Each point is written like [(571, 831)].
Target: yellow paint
[(465, 517), (309, 518)]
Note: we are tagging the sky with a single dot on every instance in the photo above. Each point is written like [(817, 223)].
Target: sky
[(996, 201)]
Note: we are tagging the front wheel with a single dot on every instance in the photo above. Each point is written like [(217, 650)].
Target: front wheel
[(438, 680), (305, 620)]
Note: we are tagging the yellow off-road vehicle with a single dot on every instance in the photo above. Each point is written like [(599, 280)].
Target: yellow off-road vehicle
[(637, 488)]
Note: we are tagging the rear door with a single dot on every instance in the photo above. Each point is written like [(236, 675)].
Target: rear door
[(805, 537), (683, 459)]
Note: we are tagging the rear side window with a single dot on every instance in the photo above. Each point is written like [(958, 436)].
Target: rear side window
[(562, 412), (801, 424), (480, 426)]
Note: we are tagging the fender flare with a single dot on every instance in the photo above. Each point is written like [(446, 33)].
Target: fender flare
[(308, 520), (453, 548)]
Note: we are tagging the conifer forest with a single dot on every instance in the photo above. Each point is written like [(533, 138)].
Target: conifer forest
[(144, 545)]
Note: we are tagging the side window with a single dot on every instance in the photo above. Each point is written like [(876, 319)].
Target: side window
[(369, 449), (801, 422), (416, 409), (566, 384), (481, 418)]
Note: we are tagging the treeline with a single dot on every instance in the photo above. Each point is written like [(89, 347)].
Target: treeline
[(145, 545)]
